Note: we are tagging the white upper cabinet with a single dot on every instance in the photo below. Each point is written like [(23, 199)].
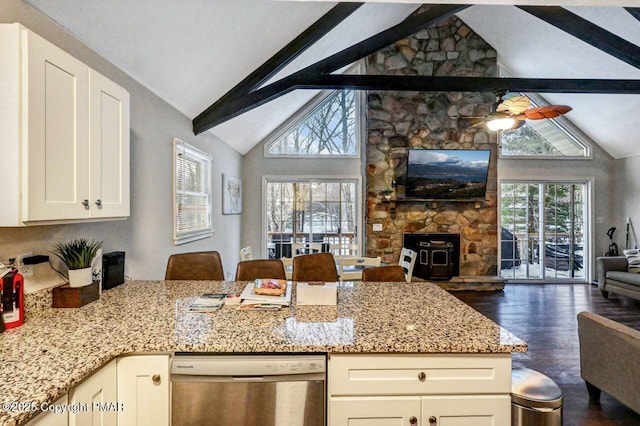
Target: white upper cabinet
[(109, 156), (66, 134)]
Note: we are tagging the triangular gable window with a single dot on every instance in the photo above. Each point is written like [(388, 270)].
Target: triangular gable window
[(328, 128), (542, 138)]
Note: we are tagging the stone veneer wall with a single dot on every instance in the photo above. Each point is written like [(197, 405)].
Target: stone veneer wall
[(397, 121)]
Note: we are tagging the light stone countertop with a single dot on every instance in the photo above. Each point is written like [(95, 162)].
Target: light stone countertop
[(56, 348)]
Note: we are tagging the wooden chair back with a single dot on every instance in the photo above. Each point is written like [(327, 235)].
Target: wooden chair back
[(287, 262), (246, 253), (204, 265), (305, 248), (350, 268), (343, 249), (249, 270), (315, 267), (391, 273), (407, 262)]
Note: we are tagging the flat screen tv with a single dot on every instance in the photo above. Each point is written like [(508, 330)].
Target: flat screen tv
[(447, 173)]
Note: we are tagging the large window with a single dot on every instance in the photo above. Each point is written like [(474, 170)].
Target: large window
[(543, 231), (329, 128), (309, 211), (191, 193), (543, 138)]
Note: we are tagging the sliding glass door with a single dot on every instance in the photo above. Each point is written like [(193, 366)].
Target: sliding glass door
[(542, 231)]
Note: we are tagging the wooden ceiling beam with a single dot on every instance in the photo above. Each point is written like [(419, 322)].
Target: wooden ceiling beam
[(288, 53), (249, 101), (472, 84), (588, 32), (220, 112), (634, 11)]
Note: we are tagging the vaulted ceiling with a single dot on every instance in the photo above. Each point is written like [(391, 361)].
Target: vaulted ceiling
[(192, 52)]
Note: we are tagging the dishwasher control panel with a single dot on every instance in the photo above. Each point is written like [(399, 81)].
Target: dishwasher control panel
[(247, 365)]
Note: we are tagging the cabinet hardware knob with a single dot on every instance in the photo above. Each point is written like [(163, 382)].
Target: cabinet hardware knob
[(156, 379), (85, 203), (99, 203), (413, 420), (422, 376), (433, 420)]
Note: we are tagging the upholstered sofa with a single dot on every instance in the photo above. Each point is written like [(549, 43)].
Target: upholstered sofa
[(614, 277), (609, 359)]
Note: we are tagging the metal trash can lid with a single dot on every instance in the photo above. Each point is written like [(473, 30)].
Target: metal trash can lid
[(533, 389)]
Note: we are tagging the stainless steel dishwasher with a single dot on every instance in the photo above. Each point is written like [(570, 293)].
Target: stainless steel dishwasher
[(264, 390)]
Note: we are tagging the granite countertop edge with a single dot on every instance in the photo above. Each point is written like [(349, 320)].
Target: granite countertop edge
[(57, 348)]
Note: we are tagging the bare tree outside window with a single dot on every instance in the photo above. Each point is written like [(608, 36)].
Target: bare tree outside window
[(329, 129)]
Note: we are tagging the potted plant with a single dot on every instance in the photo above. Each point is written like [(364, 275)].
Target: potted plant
[(78, 255)]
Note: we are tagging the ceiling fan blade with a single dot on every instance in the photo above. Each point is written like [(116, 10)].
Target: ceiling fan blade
[(549, 111), (515, 105)]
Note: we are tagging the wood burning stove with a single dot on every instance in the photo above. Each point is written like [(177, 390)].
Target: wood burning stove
[(438, 255)]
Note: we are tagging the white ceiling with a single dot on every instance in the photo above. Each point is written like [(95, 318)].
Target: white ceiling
[(191, 52)]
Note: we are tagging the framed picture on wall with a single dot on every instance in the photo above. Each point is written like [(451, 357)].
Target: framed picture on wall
[(231, 194)]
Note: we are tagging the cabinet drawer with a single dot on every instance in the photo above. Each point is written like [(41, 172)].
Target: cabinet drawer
[(419, 374), (373, 410)]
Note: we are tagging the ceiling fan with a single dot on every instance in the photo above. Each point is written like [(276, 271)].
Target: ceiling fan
[(510, 112)]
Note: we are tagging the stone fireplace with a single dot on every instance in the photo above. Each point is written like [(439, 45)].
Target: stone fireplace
[(399, 121)]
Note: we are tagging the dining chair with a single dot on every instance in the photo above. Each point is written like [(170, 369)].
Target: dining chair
[(344, 249), (407, 262), (350, 268), (246, 253), (287, 262), (249, 270), (305, 248), (297, 249), (315, 267), (391, 273), (204, 265)]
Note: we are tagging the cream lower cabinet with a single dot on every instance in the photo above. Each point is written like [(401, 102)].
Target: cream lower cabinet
[(143, 390), (96, 399), (64, 134), (427, 390)]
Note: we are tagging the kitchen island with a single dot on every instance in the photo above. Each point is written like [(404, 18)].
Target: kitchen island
[(56, 348)]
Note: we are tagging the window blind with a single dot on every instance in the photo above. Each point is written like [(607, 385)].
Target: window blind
[(192, 193)]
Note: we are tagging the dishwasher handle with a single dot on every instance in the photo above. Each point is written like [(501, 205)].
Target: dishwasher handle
[(313, 377)]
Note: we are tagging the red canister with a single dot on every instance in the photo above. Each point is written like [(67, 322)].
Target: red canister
[(12, 298)]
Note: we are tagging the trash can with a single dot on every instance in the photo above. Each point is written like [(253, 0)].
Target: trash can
[(536, 400)]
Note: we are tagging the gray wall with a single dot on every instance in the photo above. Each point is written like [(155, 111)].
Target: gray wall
[(146, 236), (598, 171), (255, 166)]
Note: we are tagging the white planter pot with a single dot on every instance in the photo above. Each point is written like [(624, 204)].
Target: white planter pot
[(80, 277)]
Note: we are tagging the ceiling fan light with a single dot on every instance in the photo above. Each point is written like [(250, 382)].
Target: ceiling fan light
[(504, 123)]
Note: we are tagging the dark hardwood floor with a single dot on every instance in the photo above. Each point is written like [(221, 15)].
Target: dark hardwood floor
[(544, 316)]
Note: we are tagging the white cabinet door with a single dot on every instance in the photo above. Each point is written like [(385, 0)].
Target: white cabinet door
[(109, 135), (97, 399), (472, 410), (56, 172), (143, 389), (374, 411), (50, 418)]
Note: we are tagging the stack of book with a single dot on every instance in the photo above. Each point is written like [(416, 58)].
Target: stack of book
[(208, 302), (252, 298)]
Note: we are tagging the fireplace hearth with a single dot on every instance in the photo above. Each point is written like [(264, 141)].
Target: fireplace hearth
[(438, 255)]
